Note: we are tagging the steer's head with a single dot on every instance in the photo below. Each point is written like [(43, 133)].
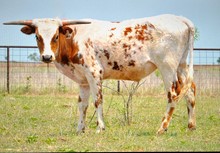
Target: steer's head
[(47, 33)]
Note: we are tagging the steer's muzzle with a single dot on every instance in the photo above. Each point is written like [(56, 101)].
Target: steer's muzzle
[(47, 58)]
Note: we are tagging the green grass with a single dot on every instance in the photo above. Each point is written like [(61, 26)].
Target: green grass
[(47, 122)]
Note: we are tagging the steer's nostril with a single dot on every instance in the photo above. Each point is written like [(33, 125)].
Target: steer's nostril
[(47, 58)]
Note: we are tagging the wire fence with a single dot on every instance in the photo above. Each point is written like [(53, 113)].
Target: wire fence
[(21, 71)]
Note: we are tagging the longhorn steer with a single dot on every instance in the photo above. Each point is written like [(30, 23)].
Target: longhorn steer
[(128, 50)]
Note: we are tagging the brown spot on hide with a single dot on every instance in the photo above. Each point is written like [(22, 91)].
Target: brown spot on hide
[(99, 96), (130, 37), (140, 47), (144, 27), (137, 26), (188, 110), (170, 113), (127, 46), (193, 104), (100, 71), (140, 37), (169, 116), (84, 111), (89, 43), (127, 30), (111, 35), (165, 124), (110, 63), (193, 86), (169, 97), (176, 87), (113, 29), (115, 66), (106, 54), (114, 43), (131, 63), (93, 61)]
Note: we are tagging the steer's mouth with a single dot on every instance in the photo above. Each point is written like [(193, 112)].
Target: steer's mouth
[(47, 58)]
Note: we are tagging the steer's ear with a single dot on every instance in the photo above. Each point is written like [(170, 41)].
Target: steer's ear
[(28, 30), (66, 31)]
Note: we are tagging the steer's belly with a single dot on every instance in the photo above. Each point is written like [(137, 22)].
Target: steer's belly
[(134, 73)]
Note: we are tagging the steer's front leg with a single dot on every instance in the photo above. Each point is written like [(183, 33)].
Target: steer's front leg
[(83, 105)]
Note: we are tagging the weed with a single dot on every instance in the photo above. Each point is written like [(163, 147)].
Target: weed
[(32, 138), (61, 88), (28, 84), (50, 141)]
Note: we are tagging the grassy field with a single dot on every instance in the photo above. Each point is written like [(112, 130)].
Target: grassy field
[(47, 123)]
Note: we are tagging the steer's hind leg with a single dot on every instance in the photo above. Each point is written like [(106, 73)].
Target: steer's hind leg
[(168, 114), (190, 99), (83, 105), (189, 95), (173, 88), (99, 108)]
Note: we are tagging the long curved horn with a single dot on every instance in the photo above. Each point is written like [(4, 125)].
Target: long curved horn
[(69, 22), (21, 22)]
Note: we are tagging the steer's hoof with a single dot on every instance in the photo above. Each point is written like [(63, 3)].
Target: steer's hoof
[(191, 126), (81, 130), (100, 130), (161, 131)]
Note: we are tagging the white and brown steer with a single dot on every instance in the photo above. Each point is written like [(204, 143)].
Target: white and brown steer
[(88, 51)]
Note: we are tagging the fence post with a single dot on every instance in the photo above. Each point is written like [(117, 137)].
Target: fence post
[(118, 86), (8, 69)]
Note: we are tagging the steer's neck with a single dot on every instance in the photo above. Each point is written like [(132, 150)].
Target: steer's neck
[(68, 50)]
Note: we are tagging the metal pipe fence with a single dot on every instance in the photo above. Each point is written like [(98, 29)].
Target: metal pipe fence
[(22, 71)]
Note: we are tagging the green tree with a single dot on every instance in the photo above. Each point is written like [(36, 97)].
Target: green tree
[(218, 60), (196, 35), (34, 57)]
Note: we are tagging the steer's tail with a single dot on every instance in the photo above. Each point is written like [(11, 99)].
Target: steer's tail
[(189, 76)]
